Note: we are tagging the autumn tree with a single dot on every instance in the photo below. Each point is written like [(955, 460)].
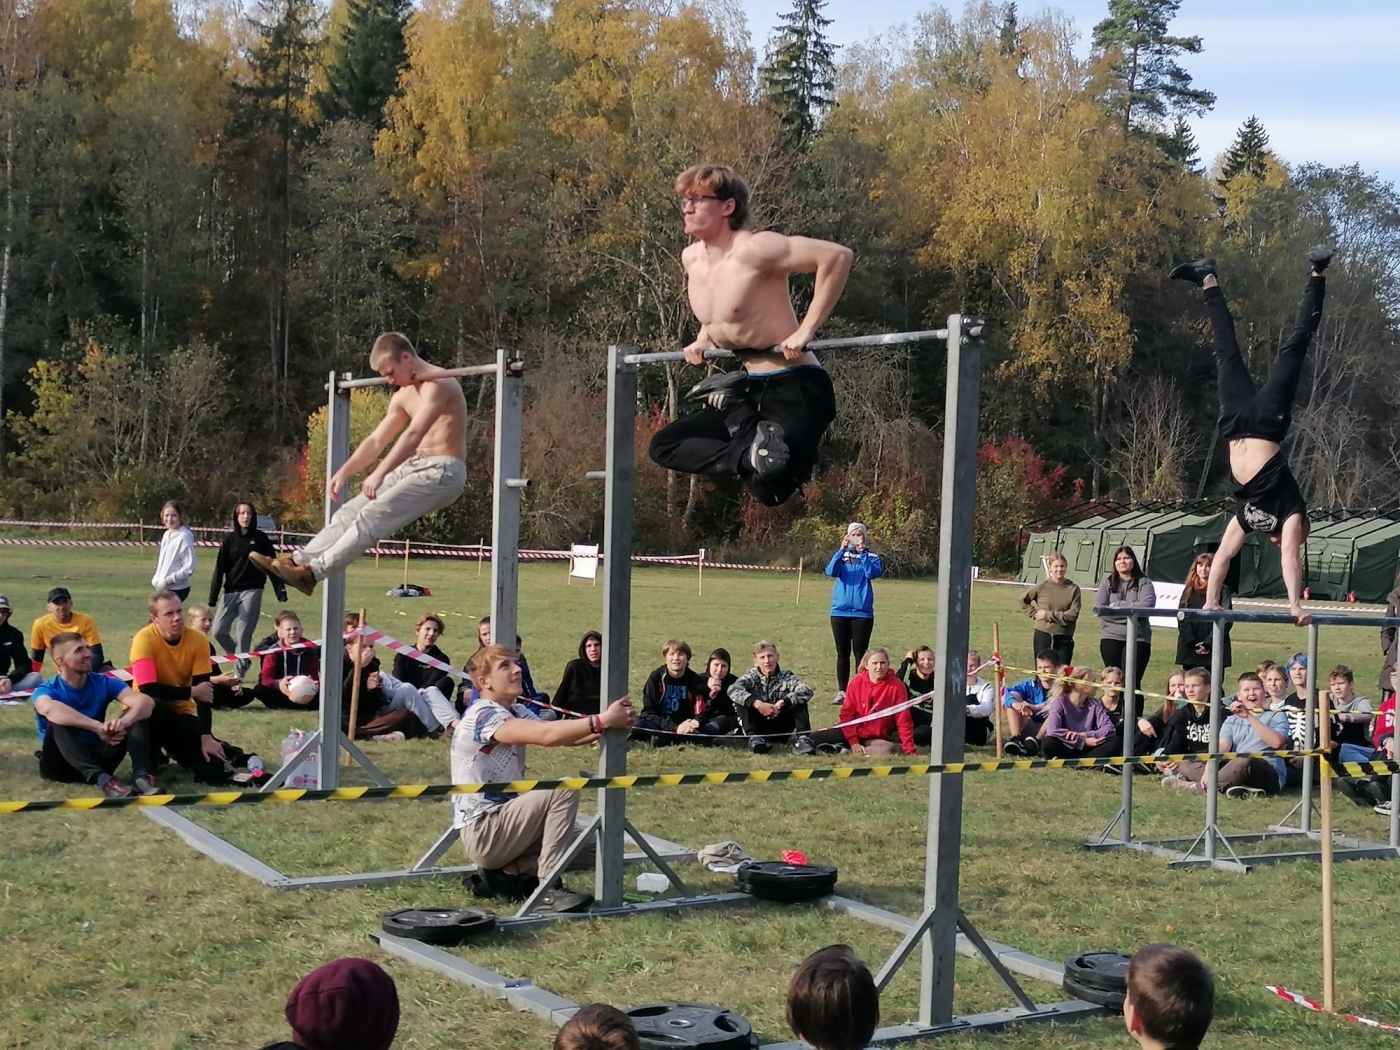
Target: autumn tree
[(1248, 153), (1148, 83), (799, 77), (367, 53)]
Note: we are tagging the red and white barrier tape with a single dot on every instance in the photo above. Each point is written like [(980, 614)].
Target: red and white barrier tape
[(1308, 1004)]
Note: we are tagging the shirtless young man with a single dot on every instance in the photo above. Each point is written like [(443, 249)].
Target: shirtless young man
[(1255, 422), (764, 421), (424, 471)]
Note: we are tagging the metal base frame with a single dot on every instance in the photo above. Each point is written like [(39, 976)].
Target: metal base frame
[(425, 867), (1184, 853)]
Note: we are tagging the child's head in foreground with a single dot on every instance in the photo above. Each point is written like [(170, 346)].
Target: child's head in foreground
[(598, 1027), (832, 1001), (1171, 998)]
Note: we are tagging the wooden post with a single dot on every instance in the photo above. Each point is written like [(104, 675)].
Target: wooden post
[(405, 567), (480, 553), (700, 574), (1001, 682), (799, 582), (354, 683), (1329, 948)]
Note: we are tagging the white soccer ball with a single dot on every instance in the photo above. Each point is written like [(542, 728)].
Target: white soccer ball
[(302, 690)]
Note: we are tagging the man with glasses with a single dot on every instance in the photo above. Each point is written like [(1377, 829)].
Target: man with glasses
[(765, 420)]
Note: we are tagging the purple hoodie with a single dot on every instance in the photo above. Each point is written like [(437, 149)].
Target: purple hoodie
[(1090, 720)]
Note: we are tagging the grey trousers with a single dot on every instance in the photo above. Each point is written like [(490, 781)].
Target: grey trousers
[(528, 834), (240, 609)]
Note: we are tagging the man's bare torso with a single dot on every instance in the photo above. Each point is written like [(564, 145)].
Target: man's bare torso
[(740, 305), (447, 436), (1248, 456)]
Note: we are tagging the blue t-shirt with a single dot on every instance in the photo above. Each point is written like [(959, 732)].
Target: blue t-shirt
[(1244, 737), (1031, 691), (91, 700)]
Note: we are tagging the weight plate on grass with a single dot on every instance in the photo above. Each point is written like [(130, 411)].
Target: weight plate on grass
[(777, 873), (443, 926), (1106, 971), (1097, 996), (671, 1026), (785, 894)]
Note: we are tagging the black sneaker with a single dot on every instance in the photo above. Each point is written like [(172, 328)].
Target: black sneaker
[(559, 901), (769, 452), (1195, 272), (720, 389), (1377, 791), (1320, 255), (759, 746), (502, 885), (803, 746), (832, 749), (1032, 746), (1113, 771), (1014, 747), (1351, 788)]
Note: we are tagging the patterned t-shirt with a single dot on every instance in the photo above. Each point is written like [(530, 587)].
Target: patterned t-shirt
[(478, 759)]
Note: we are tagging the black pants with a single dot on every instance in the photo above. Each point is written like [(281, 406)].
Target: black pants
[(800, 400), (647, 730), (69, 759), (1063, 644), (178, 735), (1265, 412), (976, 732), (227, 700), (1054, 747), (272, 697), (1113, 652), (793, 718), (852, 634)]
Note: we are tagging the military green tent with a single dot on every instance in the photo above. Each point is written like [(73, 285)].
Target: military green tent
[(1166, 542), (1354, 555)]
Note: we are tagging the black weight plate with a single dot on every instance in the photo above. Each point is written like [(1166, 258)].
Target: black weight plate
[(672, 1026), (444, 926), (805, 892), (776, 873), (1097, 996), (1107, 971)]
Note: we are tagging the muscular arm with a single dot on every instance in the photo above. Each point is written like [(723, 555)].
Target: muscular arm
[(368, 450), (831, 262)]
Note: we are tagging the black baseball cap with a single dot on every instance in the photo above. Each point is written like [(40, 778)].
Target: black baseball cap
[(60, 594)]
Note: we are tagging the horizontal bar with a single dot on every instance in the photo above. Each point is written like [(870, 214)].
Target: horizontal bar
[(1241, 616), (595, 475), (468, 370), (886, 339)]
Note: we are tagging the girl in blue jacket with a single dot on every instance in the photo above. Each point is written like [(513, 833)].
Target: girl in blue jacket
[(853, 566)]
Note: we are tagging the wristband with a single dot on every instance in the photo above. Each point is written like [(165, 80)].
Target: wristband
[(594, 725)]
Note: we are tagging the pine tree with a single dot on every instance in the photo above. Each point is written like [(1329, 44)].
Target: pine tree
[(799, 78), (1180, 145), (366, 58), (1247, 154), (1152, 84)]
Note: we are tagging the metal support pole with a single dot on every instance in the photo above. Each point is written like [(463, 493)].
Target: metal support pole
[(945, 796), (1305, 821), (333, 596), (505, 499), (1128, 703), (1217, 675), (617, 616)]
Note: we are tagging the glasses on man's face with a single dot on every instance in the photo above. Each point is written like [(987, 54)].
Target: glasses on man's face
[(694, 202)]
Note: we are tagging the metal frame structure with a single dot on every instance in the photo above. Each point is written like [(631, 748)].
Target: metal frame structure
[(1216, 848)]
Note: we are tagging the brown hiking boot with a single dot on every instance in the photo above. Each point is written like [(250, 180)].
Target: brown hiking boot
[(299, 576)]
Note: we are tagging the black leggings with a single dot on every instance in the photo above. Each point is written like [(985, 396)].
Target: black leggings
[(714, 441), (69, 758), (852, 634), (1265, 412), (1113, 652), (1054, 747), (1063, 644)]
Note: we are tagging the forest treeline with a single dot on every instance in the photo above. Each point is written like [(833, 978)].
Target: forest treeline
[(206, 208)]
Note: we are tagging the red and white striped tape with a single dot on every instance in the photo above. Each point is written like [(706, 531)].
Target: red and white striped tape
[(1308, 1004)]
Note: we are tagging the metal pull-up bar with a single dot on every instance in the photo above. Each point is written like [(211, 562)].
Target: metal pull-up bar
[(887, 339), (447, 373), (1239, 616)]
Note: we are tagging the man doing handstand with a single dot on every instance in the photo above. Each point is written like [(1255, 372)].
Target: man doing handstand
[(1255, 422), (425, 469), (765, 420)]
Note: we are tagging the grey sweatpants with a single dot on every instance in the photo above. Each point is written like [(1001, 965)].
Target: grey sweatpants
[(418, 486), (238, 609)]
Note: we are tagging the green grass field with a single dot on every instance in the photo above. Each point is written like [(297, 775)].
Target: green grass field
[(119, 935)]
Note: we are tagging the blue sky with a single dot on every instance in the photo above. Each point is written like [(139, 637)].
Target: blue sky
[(1323, 77)]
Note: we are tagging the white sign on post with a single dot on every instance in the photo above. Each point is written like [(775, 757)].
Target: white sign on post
[(1168, 598), (583, 561)]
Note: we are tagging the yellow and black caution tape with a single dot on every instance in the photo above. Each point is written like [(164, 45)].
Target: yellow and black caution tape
[(663, 780), (1364, 769)]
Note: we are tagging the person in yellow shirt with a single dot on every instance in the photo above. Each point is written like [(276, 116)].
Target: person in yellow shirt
[(61, 619), (170, 664)]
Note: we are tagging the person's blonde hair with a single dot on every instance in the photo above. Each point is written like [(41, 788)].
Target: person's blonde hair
[(485, 658), (390, 344), (719, 181), (191, 611), (759, 647), (1056, 556), (865, 656)]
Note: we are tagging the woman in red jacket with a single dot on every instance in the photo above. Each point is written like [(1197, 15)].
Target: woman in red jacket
[(872, 690)]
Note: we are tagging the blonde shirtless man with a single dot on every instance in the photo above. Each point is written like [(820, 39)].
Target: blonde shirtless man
[(763, 421), (423, 471)]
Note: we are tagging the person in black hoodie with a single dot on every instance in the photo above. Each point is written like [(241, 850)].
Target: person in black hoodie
[(675, 702), (582, 685), (242, 583), (1187, 732)]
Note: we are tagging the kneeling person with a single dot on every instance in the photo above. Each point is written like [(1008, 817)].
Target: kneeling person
[(517, 839), (79, 743)]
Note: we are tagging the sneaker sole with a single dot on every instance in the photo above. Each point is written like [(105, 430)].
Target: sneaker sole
[(769, 452), (1244, 792)]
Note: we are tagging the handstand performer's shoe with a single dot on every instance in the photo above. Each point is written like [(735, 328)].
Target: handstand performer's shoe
[(1320, 256), (1195, 272), (720, 389)]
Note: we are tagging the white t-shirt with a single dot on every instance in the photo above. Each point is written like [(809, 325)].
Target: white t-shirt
[(478, 759)]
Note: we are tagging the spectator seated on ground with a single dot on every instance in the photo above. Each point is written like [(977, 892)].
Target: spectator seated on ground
[(1154, 726), (1078, 726), (1110, 697), (580, 690), (170, 664), (718, 679), (771, 703), (1294, 709), (1027, 703), (388, 711), (228, 686), (981, 703), (916, 671), (832, 1001), (872, 690), (79, 744), (61, 619), (16, 670), (676, 702), (1171, 998), (347, 1004), (1372, 790), (1249, 728), (425, 677), (598, 1027), (1351, 714), (516, 840), (281, 665), (1187, 732)]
